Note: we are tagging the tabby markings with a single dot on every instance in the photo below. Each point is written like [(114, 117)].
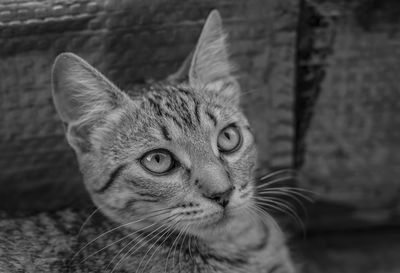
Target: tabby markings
[(165, 133), (276, 268), (212, 117), (112, 178)]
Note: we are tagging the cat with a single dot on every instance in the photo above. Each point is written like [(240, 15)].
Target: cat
[(171, 168)]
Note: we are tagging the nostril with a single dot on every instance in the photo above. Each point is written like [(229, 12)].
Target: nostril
[(221, 198), (223, 202)]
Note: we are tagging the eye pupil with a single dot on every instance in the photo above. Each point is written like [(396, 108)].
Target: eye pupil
[(158, 161), (229, 139)]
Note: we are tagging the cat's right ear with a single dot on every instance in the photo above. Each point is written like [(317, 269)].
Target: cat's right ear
[(82, 96), (182, 74), (80, 91), (209, 65)]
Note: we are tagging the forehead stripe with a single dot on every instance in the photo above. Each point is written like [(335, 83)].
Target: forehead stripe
[(212, 117), (165, 133), (185, 113), (196, 111), (174, 119), (156, 106), (184, 91)]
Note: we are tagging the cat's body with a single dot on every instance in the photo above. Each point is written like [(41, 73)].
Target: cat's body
[(172, 166), (49, 242)]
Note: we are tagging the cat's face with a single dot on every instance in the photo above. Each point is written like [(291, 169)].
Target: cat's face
[(180, 154)]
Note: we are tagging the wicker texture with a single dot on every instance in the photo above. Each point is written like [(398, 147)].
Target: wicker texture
[(352, 152), (128, 41)]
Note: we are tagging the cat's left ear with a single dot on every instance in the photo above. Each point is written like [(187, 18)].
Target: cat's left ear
[(208, 65), (83, 97)]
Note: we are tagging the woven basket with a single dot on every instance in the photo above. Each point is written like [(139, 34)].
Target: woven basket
[(128, 41), (348, 134)]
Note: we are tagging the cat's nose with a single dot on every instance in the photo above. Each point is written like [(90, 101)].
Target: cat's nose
[(221, 198), (213, 183)]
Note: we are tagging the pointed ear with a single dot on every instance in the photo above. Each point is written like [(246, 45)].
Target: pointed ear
[(82, 96), (182, 74), (210, 66), (80, 91)]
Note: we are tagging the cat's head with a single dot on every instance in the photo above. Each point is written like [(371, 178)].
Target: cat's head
[(180, 152)]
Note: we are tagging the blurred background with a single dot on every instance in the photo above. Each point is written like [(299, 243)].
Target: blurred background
[(321, 89)]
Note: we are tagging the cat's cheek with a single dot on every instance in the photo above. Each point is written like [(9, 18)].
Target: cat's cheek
[(242, 195), (105, 208)]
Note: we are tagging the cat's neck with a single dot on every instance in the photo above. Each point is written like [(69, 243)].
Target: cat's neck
[(245, 233)]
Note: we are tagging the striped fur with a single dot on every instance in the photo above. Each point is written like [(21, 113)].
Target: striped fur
[(111, 130)]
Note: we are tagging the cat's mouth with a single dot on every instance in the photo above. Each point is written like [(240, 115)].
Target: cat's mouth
[(214, 219), (204, 219)]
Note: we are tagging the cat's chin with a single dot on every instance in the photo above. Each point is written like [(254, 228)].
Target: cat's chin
[(213, 227), (233, 231)]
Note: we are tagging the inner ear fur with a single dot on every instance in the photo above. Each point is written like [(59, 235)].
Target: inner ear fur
[(82, 97), (208, 65)]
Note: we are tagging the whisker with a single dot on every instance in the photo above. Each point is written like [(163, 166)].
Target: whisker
[(164, 231), (86, 221), (253, 212), (180, 248), (278, 172), (288, 191), (272, 182), (113, 229), (123, 248), (191, 239), (169, 252), (277, 204), (168, 233), (209, 266), (141, 242), (119, 240), (118, 253), (177, 242), (298, 190), (266, 194), (252, 218), (266, 215), (190, 250)]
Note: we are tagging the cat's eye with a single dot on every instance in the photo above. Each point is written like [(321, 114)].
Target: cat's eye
[(229, 139), (158, 161)]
